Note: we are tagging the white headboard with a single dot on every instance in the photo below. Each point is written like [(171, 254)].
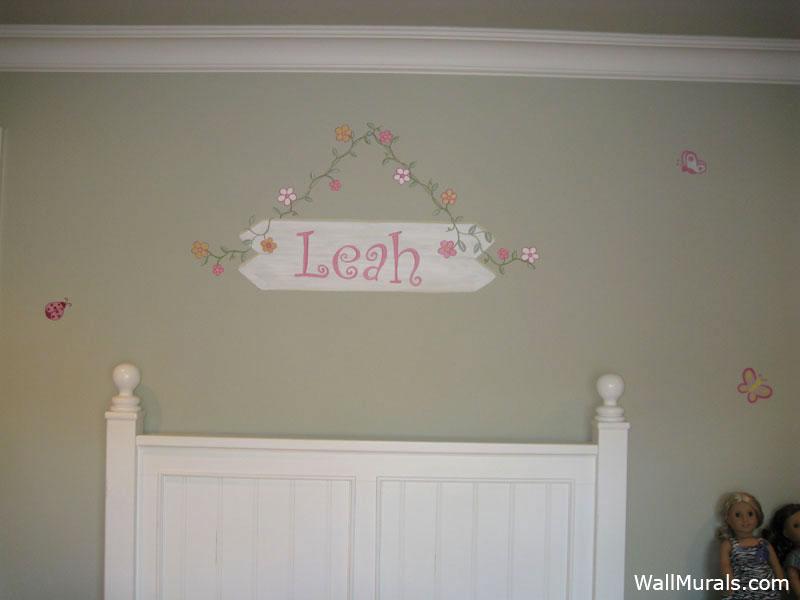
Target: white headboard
[(194, 517)]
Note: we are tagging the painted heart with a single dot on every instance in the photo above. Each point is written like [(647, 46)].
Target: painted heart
[(691, 164)]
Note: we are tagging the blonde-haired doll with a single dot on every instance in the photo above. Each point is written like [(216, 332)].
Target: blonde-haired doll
[(744, 558)]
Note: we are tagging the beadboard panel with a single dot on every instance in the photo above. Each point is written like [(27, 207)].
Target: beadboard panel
[(363, 520), (259, 537)]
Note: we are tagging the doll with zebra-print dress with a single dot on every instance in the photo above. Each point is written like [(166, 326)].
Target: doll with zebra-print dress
[(745, 558)]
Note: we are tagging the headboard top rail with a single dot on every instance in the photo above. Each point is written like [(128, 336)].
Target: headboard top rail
[(371, 446)]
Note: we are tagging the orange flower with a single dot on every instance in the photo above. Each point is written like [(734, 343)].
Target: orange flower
[(200, 249), (449, 197), (343, 133), (268, 245)]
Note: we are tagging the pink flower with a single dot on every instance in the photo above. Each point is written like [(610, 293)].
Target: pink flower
[(502, 253), (287, 196), (401, 175), (218, 270), (530, 254), (336, 185), (446, 248), (386, 136)]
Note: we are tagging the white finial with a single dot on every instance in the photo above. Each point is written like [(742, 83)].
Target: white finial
[(610, 387), (126, 377)]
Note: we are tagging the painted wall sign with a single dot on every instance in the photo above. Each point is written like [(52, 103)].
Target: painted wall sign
[(282, 254), (363, 256)]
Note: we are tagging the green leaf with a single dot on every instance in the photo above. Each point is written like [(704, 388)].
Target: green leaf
[(413, 184), (514, 255), (472, 229), (243, 253), (413, 164), (462, 246), (394, 139), (434, 187), (205, 260), (252, 220), (224, 249), (477, 248), (275, 208), (488, 236), (354, 155), (335, 153), (308, 199), (501, 269), (459, 219), (370, 125), (368, 141), (437, 211), (248, 242), (386, 160)]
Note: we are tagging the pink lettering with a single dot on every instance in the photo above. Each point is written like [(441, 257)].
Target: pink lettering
[(344, 257), (415, 280), (373, 255), (321, 268), (348, 254)]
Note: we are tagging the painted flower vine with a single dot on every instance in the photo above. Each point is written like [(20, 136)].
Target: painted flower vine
[(404, 172)]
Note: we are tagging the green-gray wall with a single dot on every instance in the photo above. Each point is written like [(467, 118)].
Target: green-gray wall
[(675, 281)]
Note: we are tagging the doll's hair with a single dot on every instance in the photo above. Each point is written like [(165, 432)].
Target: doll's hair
[(774, 533), (724, 531)]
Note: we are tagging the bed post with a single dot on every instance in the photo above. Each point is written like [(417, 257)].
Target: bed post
[(123, 423), (611, 437)]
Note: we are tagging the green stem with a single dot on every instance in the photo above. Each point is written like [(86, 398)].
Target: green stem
[(441, 207), (290, 210), (226, 253)]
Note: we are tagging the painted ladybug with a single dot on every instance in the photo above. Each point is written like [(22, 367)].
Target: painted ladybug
[(55, 310)]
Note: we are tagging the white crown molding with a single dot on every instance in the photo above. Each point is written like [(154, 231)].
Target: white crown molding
[(418, 50)]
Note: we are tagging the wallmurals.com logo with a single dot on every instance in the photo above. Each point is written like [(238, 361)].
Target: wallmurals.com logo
[(672, 582)]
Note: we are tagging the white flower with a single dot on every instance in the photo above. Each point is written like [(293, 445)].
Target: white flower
[(401, 176), (287, 196), (530, 254)]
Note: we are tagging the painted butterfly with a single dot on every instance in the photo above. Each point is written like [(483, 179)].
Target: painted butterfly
[(55, 310), (691, 164), (753, 385)]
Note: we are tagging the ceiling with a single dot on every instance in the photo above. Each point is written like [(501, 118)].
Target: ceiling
[(736, 18)]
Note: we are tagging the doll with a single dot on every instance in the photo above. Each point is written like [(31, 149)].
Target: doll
[(784, 533), (743, 556)]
